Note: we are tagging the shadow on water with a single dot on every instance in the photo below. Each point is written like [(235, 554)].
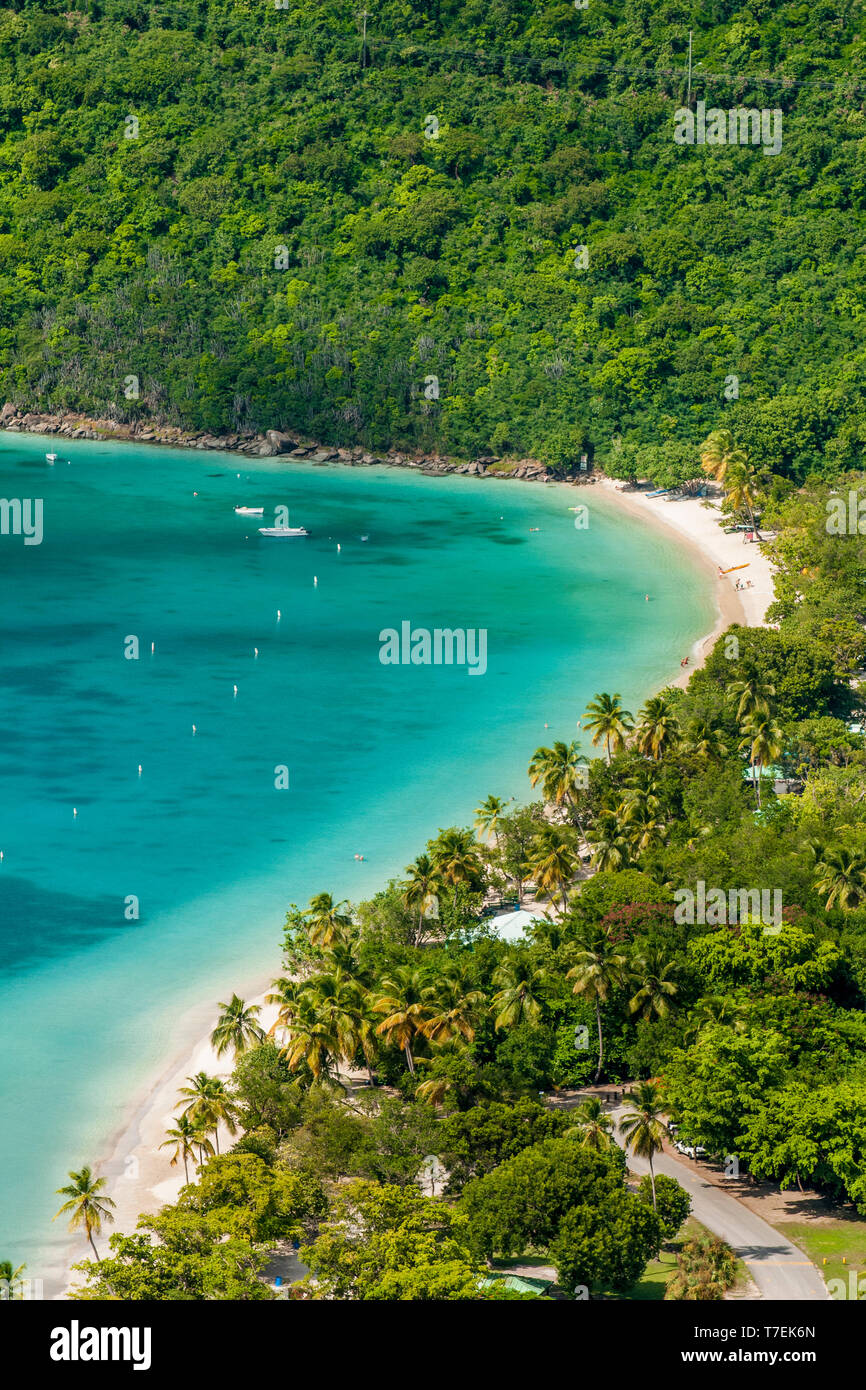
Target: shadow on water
[(40, 925)]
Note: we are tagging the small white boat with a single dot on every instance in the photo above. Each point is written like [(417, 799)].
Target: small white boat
[(249, 511), (283, 532), (50, 458)]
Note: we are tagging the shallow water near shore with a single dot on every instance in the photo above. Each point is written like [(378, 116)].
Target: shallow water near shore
[(378, 756)]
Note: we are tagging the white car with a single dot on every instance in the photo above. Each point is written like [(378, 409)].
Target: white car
[(690, 1150)]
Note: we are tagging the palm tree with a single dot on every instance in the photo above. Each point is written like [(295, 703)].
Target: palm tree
[(86, 1204), (609, 721), (455, 1009), (488, 815), (643, 1127), (209, 1104), (718, 453), (599, 969), (656, 989), (313, 1041), (714, 1010), (237, 1028), (456, 859), (419, 889), (658, 729), (325, 923), (754, 696), (287, 994), (11, 1282), (338, 1004), (553, 862), (557, 769), (594, 1127), (739, 485), (516, 1000), (705, 741), (841, 874), (641, 822), (610, 846), (407, 1000), (762, 739), (185, 1138)]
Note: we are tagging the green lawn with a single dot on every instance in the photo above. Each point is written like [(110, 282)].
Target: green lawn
[(834, 1242), (654, 1280)]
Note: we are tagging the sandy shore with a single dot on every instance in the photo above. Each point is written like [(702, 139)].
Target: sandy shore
[(140, 1176), (696, 522)]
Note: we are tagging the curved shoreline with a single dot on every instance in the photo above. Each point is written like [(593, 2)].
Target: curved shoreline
[(140, 1177), (695, 524)]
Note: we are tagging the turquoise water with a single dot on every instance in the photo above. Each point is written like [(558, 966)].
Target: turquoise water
[(142, 542)]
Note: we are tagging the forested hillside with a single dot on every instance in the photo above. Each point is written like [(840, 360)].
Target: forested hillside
[(270, 223)]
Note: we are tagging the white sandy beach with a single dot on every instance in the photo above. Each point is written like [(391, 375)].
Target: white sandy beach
[(696, 520), (144, 1179)]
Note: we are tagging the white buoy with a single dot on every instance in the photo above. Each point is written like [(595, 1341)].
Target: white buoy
[(139, 769), (152, 648)]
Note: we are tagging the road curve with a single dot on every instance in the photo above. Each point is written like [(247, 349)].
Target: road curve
[(779, 1269)]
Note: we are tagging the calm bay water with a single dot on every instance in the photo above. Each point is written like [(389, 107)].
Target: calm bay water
[(379, 756)]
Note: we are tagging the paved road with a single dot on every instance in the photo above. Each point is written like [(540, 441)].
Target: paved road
[(778, 1268)]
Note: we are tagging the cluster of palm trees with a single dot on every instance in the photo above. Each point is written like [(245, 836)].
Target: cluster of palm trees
[(626, 826), (723, 460), (643, 1126), (601, 968), (338, 1014), (453, 860), (209, 1102)]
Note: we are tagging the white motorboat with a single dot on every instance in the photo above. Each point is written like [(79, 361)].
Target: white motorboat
[(249, 511), (50, 458), (283, 532)]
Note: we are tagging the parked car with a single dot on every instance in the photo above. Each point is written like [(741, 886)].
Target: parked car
[(690, 1150)]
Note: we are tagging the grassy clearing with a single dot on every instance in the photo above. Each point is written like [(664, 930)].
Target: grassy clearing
[(841, 1243)]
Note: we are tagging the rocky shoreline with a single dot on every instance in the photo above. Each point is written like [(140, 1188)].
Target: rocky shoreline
[(270, 444)]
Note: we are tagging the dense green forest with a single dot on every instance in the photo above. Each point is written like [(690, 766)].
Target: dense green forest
[(271, 223)]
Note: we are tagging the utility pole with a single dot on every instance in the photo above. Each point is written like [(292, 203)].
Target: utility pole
[(689, 97)]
